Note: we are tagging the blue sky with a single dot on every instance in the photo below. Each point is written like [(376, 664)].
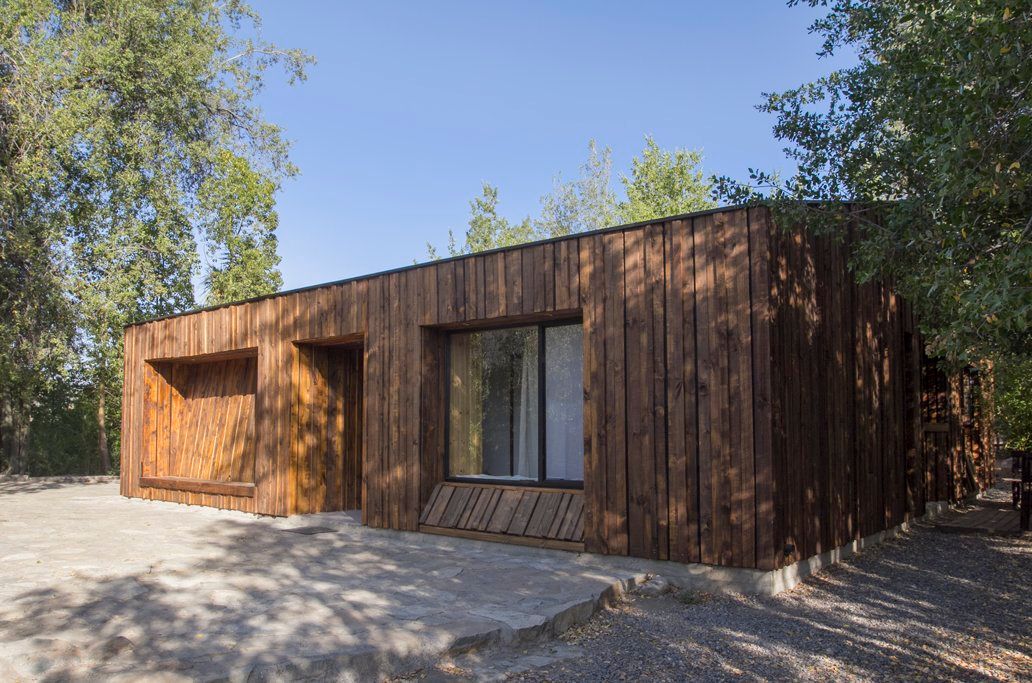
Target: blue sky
[(413, 105)]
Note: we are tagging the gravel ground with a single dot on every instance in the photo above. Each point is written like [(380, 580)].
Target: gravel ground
[(926, 606)]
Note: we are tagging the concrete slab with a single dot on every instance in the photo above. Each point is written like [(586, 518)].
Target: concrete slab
[(93, 585)]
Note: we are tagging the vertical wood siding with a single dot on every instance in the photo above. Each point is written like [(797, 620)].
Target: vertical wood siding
[(837, 361), (846, 376), (741, 393), (204, 414), (674, 423), (327, 421)]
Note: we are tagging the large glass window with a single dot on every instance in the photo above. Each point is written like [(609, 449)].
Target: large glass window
[(516, 404)]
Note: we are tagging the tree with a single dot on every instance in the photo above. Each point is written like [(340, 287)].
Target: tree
[(587, 203), (486, 229), (132, 144), (931, 130), (664, 183), (1012, 401), (238, 212)]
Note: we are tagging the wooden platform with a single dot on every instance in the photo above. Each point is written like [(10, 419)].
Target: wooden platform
[(984, 518), (549, 518)]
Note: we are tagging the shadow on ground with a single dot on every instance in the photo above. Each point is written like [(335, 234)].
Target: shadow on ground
[(239, 594), (36, 484), (929, 606)]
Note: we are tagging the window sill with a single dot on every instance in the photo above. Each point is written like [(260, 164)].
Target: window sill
[(529, 485)]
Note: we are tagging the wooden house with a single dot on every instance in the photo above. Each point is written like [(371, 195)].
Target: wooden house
[(708, 388)]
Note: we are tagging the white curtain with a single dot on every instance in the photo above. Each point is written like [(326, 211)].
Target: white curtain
[(564, 402), (525, 457)]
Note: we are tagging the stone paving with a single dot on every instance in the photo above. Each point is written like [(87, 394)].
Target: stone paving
[(96, 586)]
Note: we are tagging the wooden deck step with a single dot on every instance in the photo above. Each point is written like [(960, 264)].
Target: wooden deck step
[(525, 515)]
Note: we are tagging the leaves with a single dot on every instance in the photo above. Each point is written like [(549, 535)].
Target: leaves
[(587, 203), (662, 183), (488, 230), (131, 147), (932, 128)]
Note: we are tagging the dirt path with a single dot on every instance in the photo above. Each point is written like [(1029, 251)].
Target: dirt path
[(927, 606)]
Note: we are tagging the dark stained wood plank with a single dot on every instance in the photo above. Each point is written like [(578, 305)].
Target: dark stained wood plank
[(760, 320), (548, 272), (552, 544), (477, 511), (678, 543), (615, 424), (564, 273), (590, 255), (503, 513), (430, 503), (544, 514), (641, 472), (494, 285), (440, 505), (524, 510), (513, 282), (532, 280), (394, 457), (471, 504), (741, 387), (484, 519), (707, 388), (573, 524), (558, 515), (410, 414), (229, 488), (656, 380), (473, 289)]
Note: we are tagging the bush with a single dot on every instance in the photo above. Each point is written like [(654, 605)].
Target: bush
[(1013, 402)]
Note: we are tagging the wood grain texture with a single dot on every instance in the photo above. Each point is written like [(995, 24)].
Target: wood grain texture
[(526, 512), (199, 420), (746, 403), (845, 381), (326, 429)]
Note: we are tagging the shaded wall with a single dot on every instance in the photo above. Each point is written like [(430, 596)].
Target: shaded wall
[(865, 431)]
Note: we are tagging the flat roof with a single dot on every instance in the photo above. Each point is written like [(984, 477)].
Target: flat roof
[(424, 264)]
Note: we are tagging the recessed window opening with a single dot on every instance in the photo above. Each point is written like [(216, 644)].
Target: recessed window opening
[(516, 404)]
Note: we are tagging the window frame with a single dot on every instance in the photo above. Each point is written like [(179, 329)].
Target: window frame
[(542, 480)]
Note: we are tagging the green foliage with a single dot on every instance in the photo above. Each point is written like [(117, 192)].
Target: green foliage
[(486, 229), (1012, 401), (63, 439), (584, 204), (933, 129), (131, 145), (238, 212), (664, 183), (661, 183)]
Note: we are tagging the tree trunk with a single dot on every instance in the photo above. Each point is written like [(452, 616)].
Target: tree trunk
[(102, 441), (14, 435)]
